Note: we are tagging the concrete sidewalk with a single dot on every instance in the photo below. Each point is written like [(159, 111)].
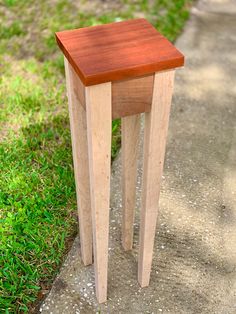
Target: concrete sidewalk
[(194, 264)]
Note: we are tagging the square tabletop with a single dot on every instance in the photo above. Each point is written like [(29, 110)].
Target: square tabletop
[(118, 51)]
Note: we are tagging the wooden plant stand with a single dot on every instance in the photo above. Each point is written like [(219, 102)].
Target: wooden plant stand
[(117, 70)]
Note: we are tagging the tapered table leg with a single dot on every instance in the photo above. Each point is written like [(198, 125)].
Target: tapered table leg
[(81, 166), (130, 128), (98, 110), (156, 126)]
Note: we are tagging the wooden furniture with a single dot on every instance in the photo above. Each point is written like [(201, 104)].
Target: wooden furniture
[(117, 70)]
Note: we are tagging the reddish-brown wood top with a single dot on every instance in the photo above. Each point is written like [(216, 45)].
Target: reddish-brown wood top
[(117, 51)]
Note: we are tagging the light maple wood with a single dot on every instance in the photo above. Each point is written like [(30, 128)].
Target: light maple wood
[(81, 166), (130, 97), (98, 109), (78, 88), (156, 126), (130, 129)]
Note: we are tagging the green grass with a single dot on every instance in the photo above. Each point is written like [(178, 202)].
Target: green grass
[(37, 192)]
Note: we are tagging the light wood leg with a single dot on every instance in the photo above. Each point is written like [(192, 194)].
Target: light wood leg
[(130, 128), (156, 126), (98, 108), (81, 166)]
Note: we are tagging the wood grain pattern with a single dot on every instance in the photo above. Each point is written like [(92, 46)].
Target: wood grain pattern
[(78, 87), (117, 51), (130, 97), (130, 129), (98, 105), (156, 126), (81, 166)]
